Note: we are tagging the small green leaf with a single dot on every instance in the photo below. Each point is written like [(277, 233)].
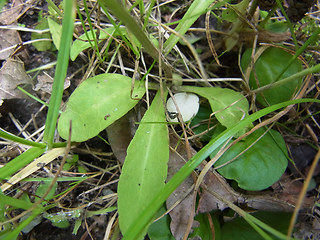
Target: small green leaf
[(239, 229), (202, 122), (61, 219), (97, 103), (160, 230), (203, 231), (277, 27), (56, 31), (42, 189), (229, 105), (229, 15), (82, 43), (267, 69), (259, 166), (41, 45), (145, 168)]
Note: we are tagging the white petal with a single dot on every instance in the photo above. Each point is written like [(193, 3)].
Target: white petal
[(188, 104)]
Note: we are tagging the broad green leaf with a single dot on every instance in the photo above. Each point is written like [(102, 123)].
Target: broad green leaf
[(229, 105), (267, 69), (239, 229), (160, 230), (56, 31), (145, 168), (261, 165), (97, 103), (82, 43)]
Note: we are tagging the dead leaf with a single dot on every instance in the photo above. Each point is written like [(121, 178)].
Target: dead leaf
[(45, 83), (12, 74), (180, 213), (120, 134), (213, 182), (12, 11), (8, 38)]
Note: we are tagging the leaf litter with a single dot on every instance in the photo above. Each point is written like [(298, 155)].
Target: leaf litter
[(12, 74)]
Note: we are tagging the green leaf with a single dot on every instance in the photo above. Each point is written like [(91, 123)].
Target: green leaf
[(61, 219), (42, 189), (229, 15), (20, 161), (204, 229), (197, 8), (202, 122), (258, 167), (229, 105), (41, 45), (145, 168), (82, 43), (277, 27), (56, 31), (97, 103), (267, 69), (239, 229), (160, 230)]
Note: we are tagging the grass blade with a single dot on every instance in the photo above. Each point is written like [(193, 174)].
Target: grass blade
[(22, 160), (6, 135), (61, 72), (197, 8)]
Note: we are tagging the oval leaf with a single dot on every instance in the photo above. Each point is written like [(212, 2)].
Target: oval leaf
[(145, 168), (267, 68), (97, 103), (261, 165), (229, 105)]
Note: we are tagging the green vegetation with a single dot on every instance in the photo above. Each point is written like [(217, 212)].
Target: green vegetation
[(243, 144)]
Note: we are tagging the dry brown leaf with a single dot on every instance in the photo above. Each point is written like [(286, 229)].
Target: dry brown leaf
[(12, 11), (120, 134), (8, 38), (12, 74), (213, 182), (45, 83), (180, 213)]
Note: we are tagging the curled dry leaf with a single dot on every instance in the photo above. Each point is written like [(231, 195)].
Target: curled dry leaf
[(8, 38), (12, 74)]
